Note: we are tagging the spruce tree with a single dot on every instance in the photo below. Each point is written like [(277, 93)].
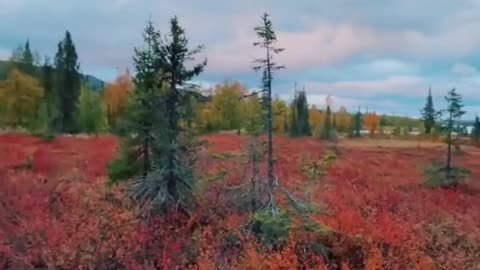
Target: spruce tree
[(428, 113), (50, 96), (327, 131), (300, 117), (476, 129), (171, 182), (144, 113), (454, 112), (268, 67), (68, 80), (27, 59), (357, 124)]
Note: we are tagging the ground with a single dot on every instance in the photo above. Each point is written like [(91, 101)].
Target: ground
[(57, 211)]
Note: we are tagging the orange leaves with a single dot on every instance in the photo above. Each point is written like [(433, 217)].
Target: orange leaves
[(372, 122), (116, 94)]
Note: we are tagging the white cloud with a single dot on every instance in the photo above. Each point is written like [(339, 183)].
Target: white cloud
[(389, 66), (395, 85)]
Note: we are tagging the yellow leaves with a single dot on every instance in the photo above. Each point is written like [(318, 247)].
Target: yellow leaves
[(343, 120), (21, 97), (317, 120), (225, 111)]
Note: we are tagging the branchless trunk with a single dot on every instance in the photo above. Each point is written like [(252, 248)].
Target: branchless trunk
[(271, 199), (172, 133), (449, 143)]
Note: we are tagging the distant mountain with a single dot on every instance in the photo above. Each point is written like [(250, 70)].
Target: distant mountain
[(91, 81)]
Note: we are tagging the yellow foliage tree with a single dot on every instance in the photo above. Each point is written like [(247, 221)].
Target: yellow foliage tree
[(343, 120), (280, 115), (116, 95), (317, 120), (20, 98), (225, 111)]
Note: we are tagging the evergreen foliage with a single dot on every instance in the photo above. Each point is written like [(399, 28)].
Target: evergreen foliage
[(67, 82), (268, 67), (300, 124), (428, 113), (454, 112)]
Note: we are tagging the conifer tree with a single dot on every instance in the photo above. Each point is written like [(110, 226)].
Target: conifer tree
[(27, 59), (50, 96), (268, 67), (67, 82), (357, 124), (476, 129), (144, 113), (454, 112), (428, 113), (171, 182), (327, 126), (300, 123)]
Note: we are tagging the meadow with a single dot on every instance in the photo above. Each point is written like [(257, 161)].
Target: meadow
[(370, 209)]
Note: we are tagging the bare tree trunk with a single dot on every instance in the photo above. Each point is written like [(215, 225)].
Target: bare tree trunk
[(271, 205), (449, 142), (255, 170)]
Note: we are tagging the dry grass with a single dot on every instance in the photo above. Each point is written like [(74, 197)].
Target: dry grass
[(386, 143)]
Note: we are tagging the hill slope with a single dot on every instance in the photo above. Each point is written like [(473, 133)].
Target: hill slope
[(92, 81)]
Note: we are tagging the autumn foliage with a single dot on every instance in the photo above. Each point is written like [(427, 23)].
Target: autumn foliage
[(116, 95), (56, 211), (372, 122)]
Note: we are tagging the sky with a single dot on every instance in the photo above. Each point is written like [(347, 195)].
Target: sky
[(381, 55)]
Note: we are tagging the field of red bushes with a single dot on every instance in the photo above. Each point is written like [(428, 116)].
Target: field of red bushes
[(57, 212)]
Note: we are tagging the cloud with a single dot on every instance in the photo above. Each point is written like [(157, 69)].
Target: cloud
[(388, 66), (395, 85), (464, 70)]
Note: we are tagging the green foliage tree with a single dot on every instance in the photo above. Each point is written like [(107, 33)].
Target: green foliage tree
[(67, 82), (454, 112), (428, 113), (300, 124), (91, 112), (268, 67)]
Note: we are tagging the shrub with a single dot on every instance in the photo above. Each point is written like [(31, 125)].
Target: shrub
[(123, 167), (437, 176), (271, 229)]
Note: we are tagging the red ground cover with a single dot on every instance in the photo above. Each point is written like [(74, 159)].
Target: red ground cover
[(56, 211)]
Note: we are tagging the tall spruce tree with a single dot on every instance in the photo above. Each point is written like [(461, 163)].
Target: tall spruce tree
[(476, 129), (428, 113), (268, 67), (357, 124), (301, 121), (50, 96), (144, 114), (27, 60), (68, 80), (171, 182), (327, 130), (454, 112)]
